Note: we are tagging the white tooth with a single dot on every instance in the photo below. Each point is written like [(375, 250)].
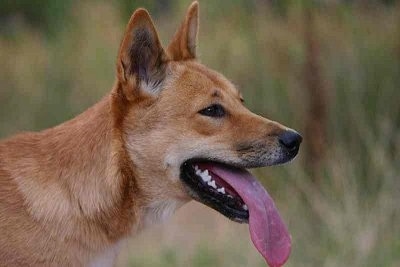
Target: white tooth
[(245, 207), (221, 190), (212, 184), (205, 177), (198, 172), (196, 167), (230, 196)]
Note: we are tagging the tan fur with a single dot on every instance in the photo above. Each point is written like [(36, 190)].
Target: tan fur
[(70, 194)]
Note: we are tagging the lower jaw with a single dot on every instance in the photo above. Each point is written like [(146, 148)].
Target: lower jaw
[(234, 216)]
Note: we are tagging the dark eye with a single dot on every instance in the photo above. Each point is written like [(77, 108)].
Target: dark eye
[(215, 110)]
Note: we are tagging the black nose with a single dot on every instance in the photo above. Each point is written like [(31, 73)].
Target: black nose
[(290, 139)]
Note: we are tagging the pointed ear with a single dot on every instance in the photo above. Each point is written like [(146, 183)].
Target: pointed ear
[(141, 60), (183, 45)]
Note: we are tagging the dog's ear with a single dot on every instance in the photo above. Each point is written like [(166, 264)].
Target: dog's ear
[(184, 42), (141, 60)]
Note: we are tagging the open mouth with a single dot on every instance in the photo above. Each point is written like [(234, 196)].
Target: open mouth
[(235, 193), (209, 188)]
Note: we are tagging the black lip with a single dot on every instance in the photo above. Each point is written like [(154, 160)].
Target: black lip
[(202, 193)]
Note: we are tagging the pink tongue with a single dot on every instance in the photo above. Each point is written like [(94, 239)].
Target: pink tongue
[(268, 232)]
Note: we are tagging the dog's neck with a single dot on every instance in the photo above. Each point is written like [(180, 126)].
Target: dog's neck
[(82, 163), (90, 181)]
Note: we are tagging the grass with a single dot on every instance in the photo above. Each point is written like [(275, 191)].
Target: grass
[(351, 218)]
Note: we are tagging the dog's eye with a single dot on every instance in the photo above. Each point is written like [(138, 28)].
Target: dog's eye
[(215, 110)]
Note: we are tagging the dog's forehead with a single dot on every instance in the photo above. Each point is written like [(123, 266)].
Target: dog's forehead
[(194, 76)]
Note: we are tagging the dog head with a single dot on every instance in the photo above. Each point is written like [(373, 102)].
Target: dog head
[(176, 110)]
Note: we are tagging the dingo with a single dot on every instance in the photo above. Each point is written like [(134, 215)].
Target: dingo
[(171, 130)]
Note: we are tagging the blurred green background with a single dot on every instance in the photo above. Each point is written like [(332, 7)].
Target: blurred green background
[(330, 69)]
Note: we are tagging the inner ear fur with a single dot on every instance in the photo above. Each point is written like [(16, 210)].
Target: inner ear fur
[(184, 42), (141, 59)]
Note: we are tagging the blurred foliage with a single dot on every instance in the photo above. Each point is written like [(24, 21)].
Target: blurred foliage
[(46, 15), (49, 15), (58, 58)]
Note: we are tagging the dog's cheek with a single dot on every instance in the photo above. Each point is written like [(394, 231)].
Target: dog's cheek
[(206, 126)]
